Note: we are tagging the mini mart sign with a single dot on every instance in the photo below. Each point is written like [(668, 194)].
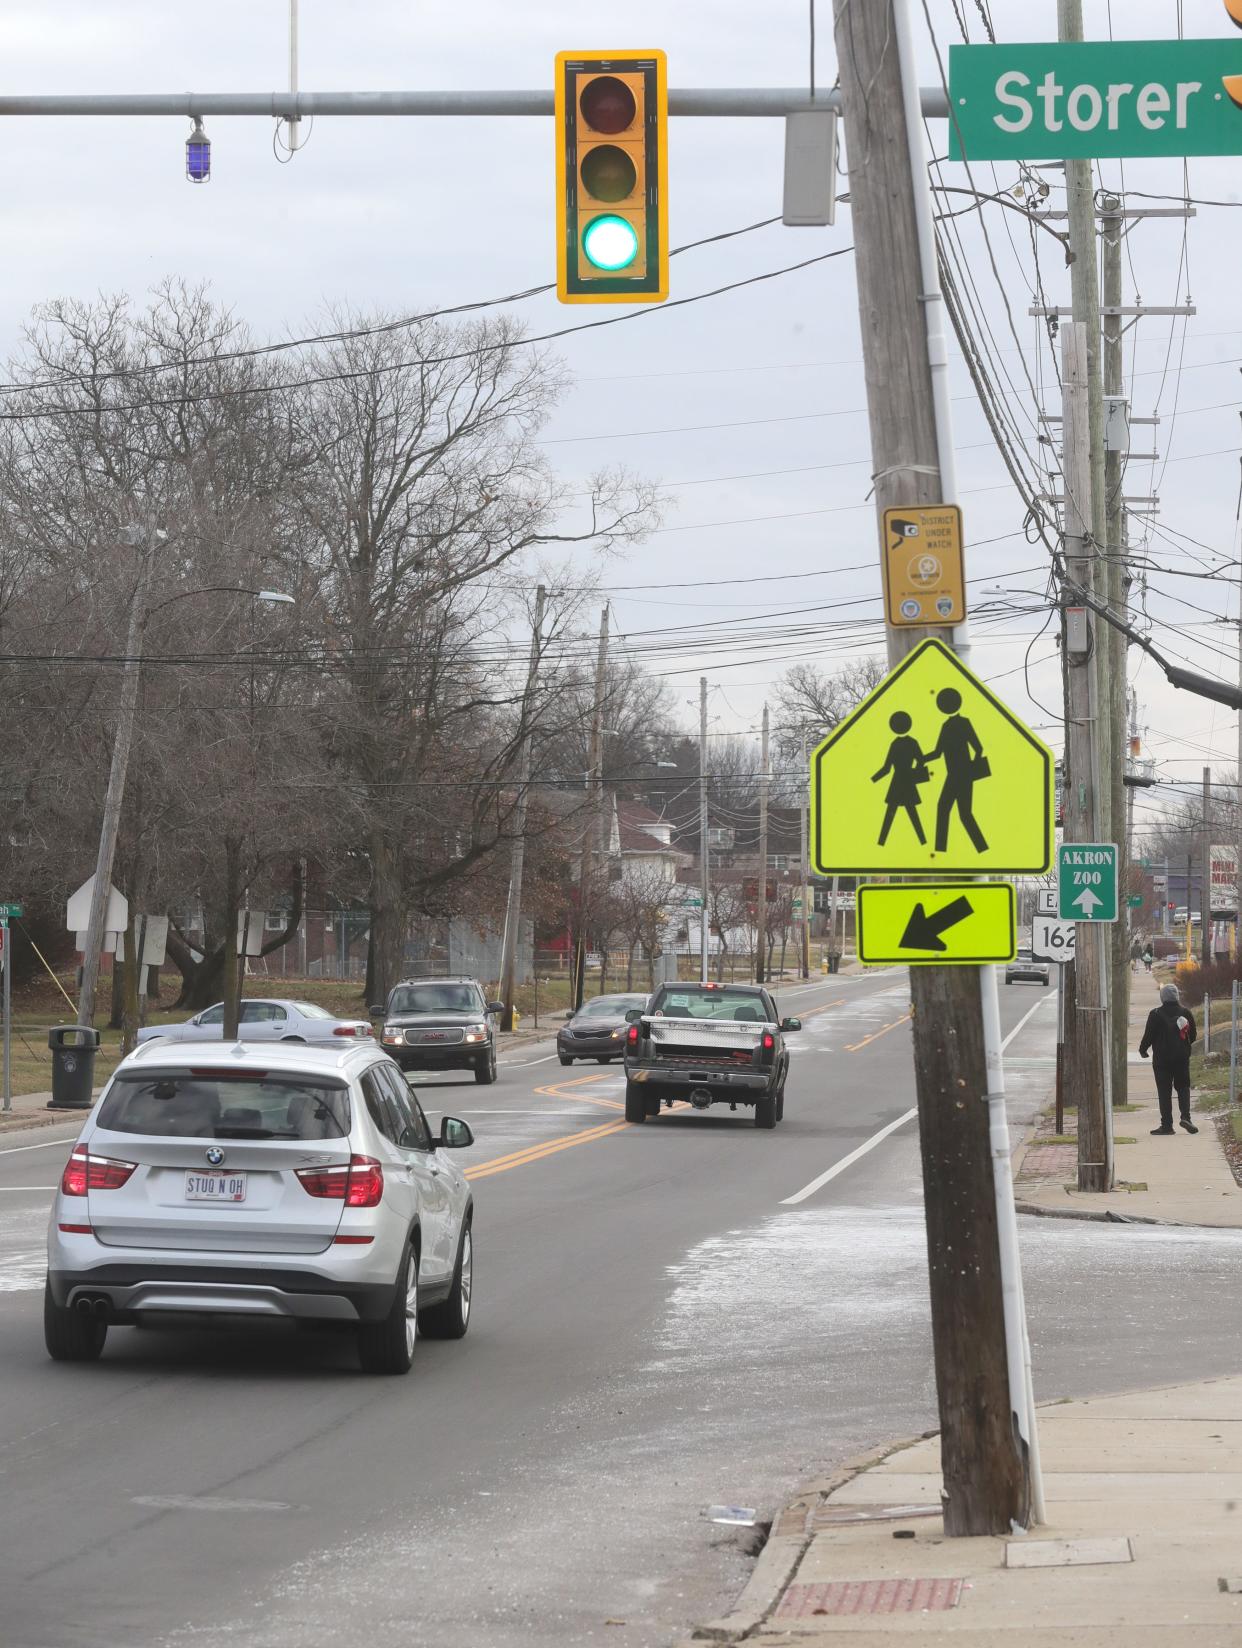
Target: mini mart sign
[(1096, 99)]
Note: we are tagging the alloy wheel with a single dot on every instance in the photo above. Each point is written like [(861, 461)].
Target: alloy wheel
[(467, 1272), (411, 1306)]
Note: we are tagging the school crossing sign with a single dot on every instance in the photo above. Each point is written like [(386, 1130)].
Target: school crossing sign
[(931, 774)]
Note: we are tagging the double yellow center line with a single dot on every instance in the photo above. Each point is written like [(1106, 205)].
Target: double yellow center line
[(572, 1090)]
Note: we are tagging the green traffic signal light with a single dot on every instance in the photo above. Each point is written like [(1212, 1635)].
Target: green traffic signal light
[(610, 243)]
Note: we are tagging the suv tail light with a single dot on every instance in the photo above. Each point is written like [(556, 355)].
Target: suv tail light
[(85, 1172), (632, 1036), (769, 1041), (361, 1184)]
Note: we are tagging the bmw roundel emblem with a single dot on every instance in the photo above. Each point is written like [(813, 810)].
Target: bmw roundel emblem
[(215, 1155)]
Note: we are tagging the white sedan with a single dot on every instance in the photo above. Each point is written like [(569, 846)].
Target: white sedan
[(264, 1019)]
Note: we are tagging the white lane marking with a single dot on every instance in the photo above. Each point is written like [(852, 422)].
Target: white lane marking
[(189, 1502), (27, 1187), (23, 1270), (547, 1059), (16, 1149), (848, 1161), (1023, 1019), (877, 1138)]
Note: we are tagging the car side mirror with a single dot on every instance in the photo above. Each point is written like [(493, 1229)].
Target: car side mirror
[(454, 1134), (376, 1010), (633, 1015), (495, 1006), (791, 1024), (197, 1019)]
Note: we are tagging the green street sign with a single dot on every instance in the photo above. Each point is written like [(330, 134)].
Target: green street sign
[(1087, 881), (11, 912), (1096, 99), (1135, 901)]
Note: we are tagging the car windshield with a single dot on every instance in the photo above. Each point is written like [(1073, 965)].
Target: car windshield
[(435, 998), (203, 1105), (741, 1006), (308, 1010), (610, 1007)]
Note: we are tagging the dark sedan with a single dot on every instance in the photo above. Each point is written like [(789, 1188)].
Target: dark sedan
[(597, 1029)]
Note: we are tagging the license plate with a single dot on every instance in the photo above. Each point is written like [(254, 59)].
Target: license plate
[(215, 1187)]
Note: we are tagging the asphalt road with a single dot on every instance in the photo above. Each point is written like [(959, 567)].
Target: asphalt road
[(658, 1328)]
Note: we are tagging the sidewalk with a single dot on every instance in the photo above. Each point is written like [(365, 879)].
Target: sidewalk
[(1142, 1548), (1180, 1180)]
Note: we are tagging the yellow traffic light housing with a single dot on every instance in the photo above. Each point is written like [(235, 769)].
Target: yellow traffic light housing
[(611, 177)]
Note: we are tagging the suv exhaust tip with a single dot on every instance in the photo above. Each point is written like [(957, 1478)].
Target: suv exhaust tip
[(700, 1098)]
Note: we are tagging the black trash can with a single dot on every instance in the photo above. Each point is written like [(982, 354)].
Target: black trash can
[(834, 960), (73, 1066)]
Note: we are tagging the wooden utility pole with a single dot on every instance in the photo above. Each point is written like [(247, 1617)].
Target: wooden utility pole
[(517, 850), (804, 892), (705, 926), (1116, 582), (145, 541), (761, 900), (1086, 1067), (986, 1487), (1205, 888), (591, 830)]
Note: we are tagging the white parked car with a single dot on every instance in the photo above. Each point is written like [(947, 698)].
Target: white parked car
[(265, 1019), (294, 1182)]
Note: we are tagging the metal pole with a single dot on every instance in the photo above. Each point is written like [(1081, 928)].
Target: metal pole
[(1060, 1098), (293, 123), (761, 900), (710, 102), (115, 796), (6, 958), (704, 922), (517, 851), (1233, 1044)]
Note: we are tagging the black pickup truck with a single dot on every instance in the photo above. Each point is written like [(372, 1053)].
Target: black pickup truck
[(710, 1044)]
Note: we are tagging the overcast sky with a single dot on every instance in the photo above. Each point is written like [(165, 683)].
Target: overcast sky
[(402, 215)]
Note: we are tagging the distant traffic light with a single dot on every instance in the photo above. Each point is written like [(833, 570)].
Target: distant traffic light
[(611, 177)]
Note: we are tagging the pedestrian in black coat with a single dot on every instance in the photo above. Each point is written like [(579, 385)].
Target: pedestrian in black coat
[(1168, 1036)]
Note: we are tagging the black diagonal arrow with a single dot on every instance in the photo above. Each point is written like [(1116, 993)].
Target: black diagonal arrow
[(923, 932)]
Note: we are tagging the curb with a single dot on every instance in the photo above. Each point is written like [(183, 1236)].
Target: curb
[(782, 1555), (1106, 1216)]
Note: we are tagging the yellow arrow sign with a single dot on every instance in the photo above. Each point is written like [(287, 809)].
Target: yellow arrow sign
[(931, 774), (936, 925)]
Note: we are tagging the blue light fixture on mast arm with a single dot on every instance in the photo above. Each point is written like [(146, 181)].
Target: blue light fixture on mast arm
[(198, 154)]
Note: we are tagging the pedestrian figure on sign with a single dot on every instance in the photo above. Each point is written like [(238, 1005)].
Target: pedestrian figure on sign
[(1168, 1036), (906, 763), (964, 765)]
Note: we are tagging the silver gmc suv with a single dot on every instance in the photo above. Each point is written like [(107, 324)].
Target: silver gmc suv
[(276, 1181)]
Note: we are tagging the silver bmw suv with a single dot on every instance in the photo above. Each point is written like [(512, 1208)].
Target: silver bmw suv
[(277, 1181)]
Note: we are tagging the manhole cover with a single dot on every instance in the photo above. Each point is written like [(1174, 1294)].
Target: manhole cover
[(870, 1596)]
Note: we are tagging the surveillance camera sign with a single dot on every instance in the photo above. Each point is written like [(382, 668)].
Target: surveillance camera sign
[(924, 577)]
